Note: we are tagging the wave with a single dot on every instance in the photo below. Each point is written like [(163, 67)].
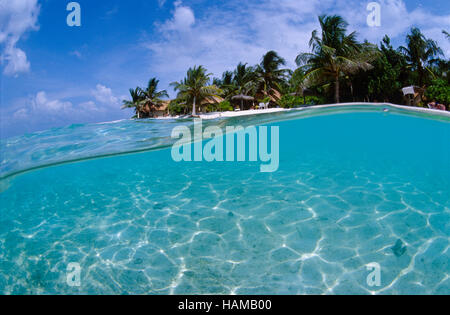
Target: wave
[(81, 142)]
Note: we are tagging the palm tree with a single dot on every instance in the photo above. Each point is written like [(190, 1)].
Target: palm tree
[(136, 102), (235, 82), (226, 84), (152, 97), (334, 53), (242, 77), (420, 52), (447, 34), (268, 75), (297, 83), (195, 87), (244, 81)]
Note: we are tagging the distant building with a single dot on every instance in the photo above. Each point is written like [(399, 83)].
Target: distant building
[(209, 103), (162, 111)]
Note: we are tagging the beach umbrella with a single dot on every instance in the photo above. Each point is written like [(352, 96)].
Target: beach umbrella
[(243, 98)]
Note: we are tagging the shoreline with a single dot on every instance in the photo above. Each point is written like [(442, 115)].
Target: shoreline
[(229, 114)]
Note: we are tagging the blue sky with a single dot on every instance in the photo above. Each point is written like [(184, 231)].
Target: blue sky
[(55, 75)]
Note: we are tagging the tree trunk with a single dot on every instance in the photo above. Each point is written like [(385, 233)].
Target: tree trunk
[(337, 90), (420, 70), (193, 108), (242, 103), (351, 91)]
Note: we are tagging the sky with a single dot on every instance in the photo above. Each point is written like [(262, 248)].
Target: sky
[(55, 75)]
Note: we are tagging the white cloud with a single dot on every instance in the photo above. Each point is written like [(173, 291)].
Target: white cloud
[(89, 106), (47, 110), (77, 54), (21, 114), (16, 61), (396, 20), (105, 95), (42, 107), (42, 103), (16, 18), (183, 19), (244, 31), (216, 42)]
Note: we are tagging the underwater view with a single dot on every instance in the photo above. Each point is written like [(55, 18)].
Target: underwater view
[(355, 186)]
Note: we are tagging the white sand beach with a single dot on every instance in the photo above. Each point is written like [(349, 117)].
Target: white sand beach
[(216, 115)]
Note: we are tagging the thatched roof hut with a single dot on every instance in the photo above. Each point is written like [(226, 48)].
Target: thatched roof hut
[(274, 96), (212, 100), (243, 98), (155, 111), (163, 109)]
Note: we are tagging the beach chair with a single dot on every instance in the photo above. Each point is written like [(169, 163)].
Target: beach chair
[(263, 105)]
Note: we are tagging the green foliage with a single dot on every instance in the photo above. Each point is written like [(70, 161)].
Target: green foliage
[(315, 100), (137, 98), (225, 106), (439, 91), (209, 108), (420, 53), (265, 100), (178, 107), (384, 82), (269, 76), (361, 72), (381, 83), (292, 101), (335, 54), (195, 87), (447, 34), (297, 82), (337, 67), (149, 98)]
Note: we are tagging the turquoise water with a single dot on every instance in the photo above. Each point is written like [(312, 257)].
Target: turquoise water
[(354, 186)]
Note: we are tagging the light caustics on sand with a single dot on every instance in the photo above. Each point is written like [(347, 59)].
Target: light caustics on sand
[(356, 185)]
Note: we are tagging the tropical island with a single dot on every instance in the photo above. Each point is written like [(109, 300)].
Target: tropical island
[(338, 68)]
